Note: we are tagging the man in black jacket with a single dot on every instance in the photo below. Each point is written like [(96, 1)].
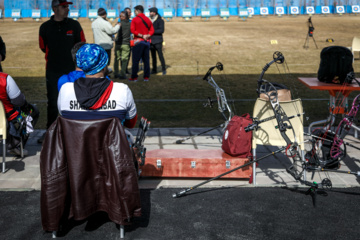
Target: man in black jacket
[(157, 40), (57, 37)]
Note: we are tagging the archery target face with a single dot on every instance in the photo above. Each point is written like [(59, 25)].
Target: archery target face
[(226, 134), (355, 9), (264, 11), (279, 10), (310, 10), (251, 11), (340, 9), (294, 10), (325, 9)]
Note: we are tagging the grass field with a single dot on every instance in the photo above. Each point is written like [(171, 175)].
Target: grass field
[(176, 100)]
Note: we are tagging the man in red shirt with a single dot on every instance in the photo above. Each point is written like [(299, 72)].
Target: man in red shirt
[(142, 28)]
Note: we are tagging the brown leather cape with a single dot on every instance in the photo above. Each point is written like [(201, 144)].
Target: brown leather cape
[(87, 166)]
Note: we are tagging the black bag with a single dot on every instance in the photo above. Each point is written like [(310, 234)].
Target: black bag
[(336, 65)]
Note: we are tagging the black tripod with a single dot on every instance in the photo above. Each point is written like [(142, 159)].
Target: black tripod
[(310, 34)]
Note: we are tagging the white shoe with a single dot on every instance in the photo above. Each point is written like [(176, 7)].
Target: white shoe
[(17, 151)]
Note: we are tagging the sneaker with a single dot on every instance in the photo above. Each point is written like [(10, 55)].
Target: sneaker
[(17, 151), (41, 139), (146, 79), (164, 72), (133, 79)]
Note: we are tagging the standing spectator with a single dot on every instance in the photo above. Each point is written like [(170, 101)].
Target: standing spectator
[(142, 28), (2, 52), (128, 10), (57, 37), (157, 40), (103, 32), (122, 46)]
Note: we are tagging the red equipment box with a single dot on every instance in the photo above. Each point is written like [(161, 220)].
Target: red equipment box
[(195, 163)]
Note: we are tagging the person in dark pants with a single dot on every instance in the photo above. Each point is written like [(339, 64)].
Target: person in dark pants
[(57, 37), (2, 52), (142, 28), (128, 10), (157, 40), (122, 46)]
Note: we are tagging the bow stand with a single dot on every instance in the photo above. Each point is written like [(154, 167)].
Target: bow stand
[(222, 102)]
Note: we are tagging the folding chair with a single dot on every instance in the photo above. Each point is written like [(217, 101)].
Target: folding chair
[(355, 47), (3, 133), (267, 134)]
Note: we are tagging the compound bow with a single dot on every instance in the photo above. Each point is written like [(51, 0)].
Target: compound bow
[(329, 148), (282, 119), (336, 152), (222, 102)]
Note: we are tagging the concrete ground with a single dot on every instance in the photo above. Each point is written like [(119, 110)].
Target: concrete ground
[(221, 209), (24, 174)]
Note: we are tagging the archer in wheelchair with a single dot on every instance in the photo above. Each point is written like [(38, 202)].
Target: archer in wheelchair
[(21, 116)]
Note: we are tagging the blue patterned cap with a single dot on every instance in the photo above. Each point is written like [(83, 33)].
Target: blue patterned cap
[(91, 58)]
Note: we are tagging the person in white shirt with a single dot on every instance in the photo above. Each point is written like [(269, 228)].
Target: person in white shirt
[(103, 32), (94, 96)]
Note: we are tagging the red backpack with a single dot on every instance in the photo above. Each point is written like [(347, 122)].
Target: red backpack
[(236, 142)]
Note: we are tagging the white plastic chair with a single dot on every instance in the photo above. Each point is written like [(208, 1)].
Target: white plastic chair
[(355, 47), (267, 134), (3, 133)]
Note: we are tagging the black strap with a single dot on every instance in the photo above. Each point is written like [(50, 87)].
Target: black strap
[(147, 26)]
